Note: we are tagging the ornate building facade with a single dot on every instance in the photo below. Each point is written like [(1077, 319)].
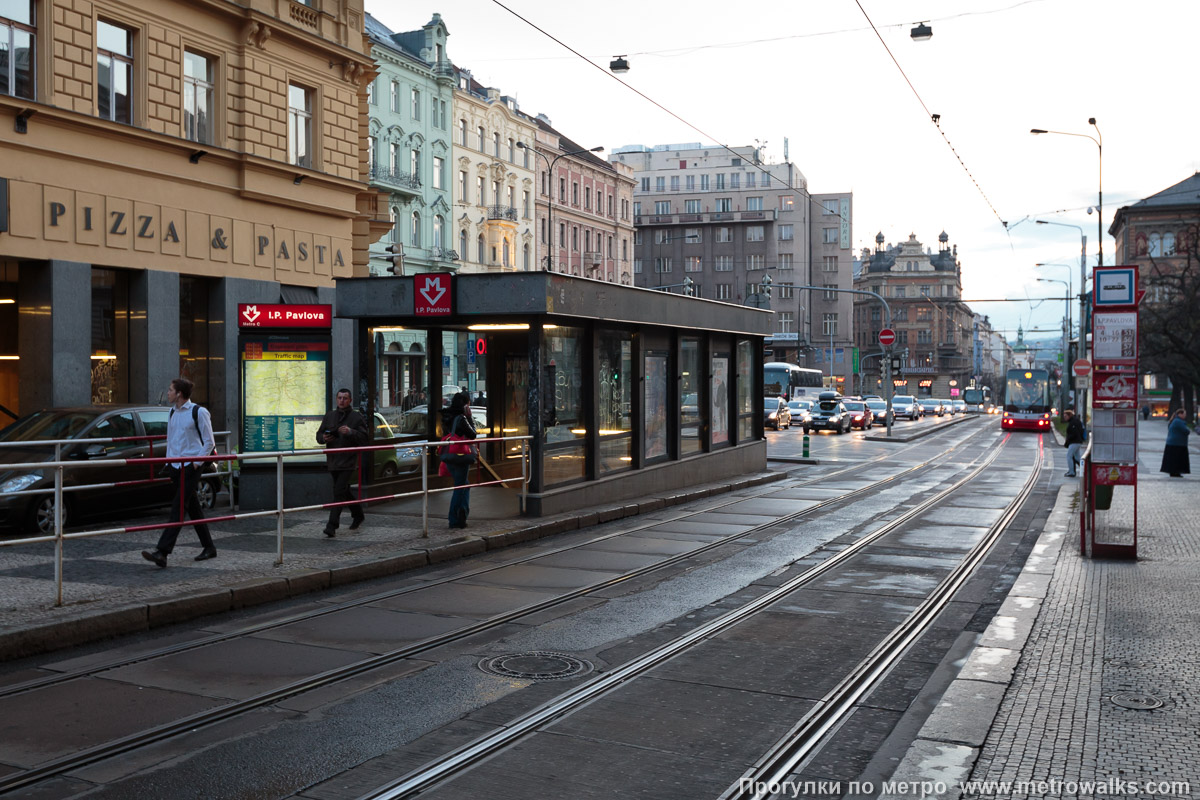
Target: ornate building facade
[(160, 163), (934, 328), (493, 181)]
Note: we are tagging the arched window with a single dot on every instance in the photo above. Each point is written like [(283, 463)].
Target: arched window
[(463, 252), (415, 237), (480, 250), (1155, 245), (1168, 244), (437, 231)]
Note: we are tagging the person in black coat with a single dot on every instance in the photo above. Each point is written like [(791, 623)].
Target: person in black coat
[(1076, 437), (343, 426), (457, 419)]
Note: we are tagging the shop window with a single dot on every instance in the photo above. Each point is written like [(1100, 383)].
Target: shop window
[(691, 391), (562, 405), (745, 390), (614, 360), (193, 335), (654, 407), (110, 336)]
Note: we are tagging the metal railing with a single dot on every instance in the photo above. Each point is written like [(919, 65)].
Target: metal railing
[(394, 177), (59, 537), (502, 212)]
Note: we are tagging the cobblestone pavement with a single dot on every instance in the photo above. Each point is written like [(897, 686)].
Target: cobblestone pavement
[(1110, 630)]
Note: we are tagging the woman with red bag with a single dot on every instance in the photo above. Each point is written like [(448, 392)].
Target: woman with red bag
[(458, 458)]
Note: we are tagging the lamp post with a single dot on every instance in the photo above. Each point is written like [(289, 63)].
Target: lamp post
[(1099, 140), (550, 192), (1066, 336), (1083, 298)]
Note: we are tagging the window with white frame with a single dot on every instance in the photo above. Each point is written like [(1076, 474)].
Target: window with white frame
[(372, 146), (829, 264), (371, 93), (587, 198), (925, 291), (735, 180), (831, 206), (480, 191), (785, 261), (414, 163), (482, 143), (704, 183), (689, 182), (645, 184), (750, 180), (525, 207), (693, 235), (662, 265), (416, 104), (787, 202), (691, 206), (662, 207), (786, 291), (754, 204), (899, 292), (637, 208), (756, 262), (692, 264), (830, 292), (724, 233), (783, 321), (754, 233), (829, 235), (512, 150), (723, 264), (197, 96), (637, 266), (720, 181), (724, 205), (785, 233), (463, 183), (660, 184), (724, 291), (674, 183), (829, 324), (438, 226), (299, 126), (637, 236), (462, 130), (395, 100), (439, 168), (766, 180), (415, 232), (661, 235), (114, 71)]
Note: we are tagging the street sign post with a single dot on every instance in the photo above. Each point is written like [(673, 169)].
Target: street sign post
[(1082, 367), (887, 337)]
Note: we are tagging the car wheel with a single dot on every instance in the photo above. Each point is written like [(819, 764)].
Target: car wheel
[(389, 471), (40, 518), (207, 491)]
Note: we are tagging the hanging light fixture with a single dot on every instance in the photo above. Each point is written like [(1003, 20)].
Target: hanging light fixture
[(618, 65), (922, 33)]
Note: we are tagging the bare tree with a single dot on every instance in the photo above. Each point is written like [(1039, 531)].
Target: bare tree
[(1170, 320)]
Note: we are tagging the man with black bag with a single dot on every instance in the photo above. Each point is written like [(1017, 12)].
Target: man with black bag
[(189, 433), (343, 426), (1076, 436)]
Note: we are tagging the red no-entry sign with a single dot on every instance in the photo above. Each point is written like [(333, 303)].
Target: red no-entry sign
[(887, 337), (1081, 367)]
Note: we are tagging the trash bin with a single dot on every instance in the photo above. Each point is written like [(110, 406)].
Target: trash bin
[(1103, 495)]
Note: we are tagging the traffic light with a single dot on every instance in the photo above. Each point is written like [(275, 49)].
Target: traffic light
[(396, 256)]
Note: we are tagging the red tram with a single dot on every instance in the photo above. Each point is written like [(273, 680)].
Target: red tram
[(1027, 401)]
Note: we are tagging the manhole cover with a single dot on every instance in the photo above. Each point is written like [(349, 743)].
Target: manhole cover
[(536, 666), (1136, 701)]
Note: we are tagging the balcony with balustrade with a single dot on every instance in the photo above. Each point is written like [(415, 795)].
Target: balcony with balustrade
[(393, 179)]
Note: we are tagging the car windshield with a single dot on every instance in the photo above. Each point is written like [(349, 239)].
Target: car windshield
[(902, 398), (800, 405), (829, 405), (48, 425), (771, 405), (853, 405), (879, 405)]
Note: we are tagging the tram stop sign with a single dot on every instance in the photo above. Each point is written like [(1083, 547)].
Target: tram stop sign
[(887, 337), (1081, 367)]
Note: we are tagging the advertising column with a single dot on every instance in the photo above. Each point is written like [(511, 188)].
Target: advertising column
[(283, 352)]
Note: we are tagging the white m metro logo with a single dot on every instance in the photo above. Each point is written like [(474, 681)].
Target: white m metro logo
[(433, 291)]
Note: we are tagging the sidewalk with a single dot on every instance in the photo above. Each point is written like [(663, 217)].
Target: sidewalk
[(110, 590), (1090, 671)]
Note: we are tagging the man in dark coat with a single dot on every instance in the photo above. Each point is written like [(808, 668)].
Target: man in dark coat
[(1076, 436), (343, 427)]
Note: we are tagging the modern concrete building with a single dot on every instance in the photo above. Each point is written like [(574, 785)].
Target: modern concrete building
[(934, 328), (587, 203), (160, 163), (409, 145), (726, 225), (493, 180)]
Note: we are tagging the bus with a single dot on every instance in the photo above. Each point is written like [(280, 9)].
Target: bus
[(978, 400), (789, 381), (1026, 400)]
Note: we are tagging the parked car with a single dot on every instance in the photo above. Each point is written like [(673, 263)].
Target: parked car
[(413, 420), (392, 463), (829, 414), (801, 411), (879, 411), (905, 405), (139, 486), (860, 416), (931, 406), (776, 413)]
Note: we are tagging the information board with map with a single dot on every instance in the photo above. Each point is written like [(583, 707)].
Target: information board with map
[(285, 391)]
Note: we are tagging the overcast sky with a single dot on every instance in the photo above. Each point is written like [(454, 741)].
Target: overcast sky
[(816, 74)]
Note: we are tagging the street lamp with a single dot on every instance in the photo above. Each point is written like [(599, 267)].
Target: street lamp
[(1099, 140), (550, 192), (1083, 298)]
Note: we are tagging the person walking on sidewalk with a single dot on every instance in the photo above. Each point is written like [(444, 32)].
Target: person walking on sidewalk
[(343, 426), (1175, 460), (189, 433), (457, 420), (1076, 436)]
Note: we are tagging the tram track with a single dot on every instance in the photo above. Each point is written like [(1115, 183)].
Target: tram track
[(192, 722), (803, 739)]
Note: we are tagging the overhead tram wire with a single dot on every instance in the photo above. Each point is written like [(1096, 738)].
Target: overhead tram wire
[(929, 114), (804, 192)]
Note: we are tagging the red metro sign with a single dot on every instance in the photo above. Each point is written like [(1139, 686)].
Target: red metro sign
[(432, 294), (281, 315)]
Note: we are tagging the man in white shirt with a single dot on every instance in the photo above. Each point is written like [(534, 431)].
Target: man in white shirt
[(189, 433)]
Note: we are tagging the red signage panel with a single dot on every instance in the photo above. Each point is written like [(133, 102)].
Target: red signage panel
[(887, 337), (432, 294), (279, 315), (1119, 388), (1114, 474)]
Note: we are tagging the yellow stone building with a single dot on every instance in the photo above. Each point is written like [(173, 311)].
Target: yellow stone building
[(162, 161)]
